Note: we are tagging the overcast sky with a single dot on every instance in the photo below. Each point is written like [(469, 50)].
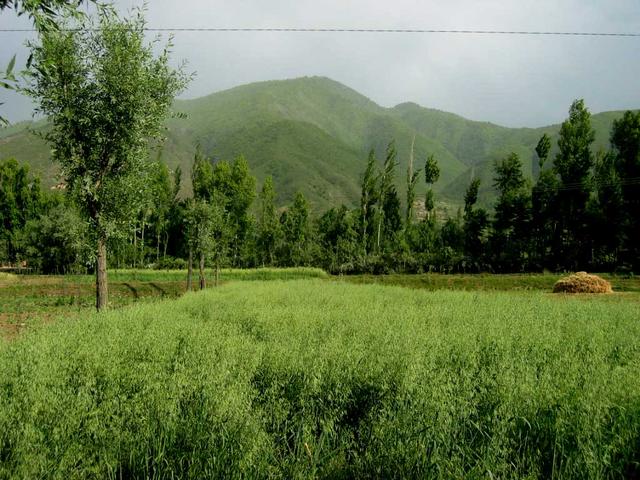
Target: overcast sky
[(509, 80)]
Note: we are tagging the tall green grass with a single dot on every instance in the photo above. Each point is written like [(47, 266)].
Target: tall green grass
[(316, 379), (487, 281), (226, 275), (8, 277)]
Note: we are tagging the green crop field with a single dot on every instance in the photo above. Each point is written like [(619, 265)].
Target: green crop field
[(31, 300), (488, 282), (327, 379)]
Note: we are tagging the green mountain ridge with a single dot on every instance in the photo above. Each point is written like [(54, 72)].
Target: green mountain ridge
[(313, 134)]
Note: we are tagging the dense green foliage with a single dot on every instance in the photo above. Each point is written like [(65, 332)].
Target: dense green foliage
[(311, 379), (44, 14), (40, 228), (624, 183), (20, 201), (310, 135), (105, 93), (577, 215)]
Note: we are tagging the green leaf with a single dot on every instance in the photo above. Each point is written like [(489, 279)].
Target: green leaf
[(12, 64)]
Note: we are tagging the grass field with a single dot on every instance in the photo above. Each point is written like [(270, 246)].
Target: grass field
[(30, 300), (489, 282), (321, 379)]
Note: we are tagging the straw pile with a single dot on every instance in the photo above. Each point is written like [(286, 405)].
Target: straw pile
[(582, 282)]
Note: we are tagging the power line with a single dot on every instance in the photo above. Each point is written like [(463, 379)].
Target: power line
[(369, 30)]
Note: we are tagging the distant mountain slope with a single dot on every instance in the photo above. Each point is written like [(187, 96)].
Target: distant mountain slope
[(480, 144), (314, 134)]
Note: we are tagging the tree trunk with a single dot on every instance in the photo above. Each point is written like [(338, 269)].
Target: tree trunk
[(134, 260), (217, 273), (101, 275), (166, 241), (364, 227), (142, 245), (203, 281), (190, 271)]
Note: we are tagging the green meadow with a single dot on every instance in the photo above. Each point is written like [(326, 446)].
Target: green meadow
[(28, 301), (323, 378)]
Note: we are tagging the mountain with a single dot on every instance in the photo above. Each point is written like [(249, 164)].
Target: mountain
[(313, 134)]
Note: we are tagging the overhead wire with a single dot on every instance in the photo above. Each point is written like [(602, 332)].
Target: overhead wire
[(368, 31)]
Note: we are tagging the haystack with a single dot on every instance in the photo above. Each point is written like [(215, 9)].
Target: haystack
[(582, 282)]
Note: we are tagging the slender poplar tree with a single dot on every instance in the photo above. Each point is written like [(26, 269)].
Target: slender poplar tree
[(105, 93)]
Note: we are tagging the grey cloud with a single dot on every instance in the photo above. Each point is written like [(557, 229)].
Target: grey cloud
[(515, 81)]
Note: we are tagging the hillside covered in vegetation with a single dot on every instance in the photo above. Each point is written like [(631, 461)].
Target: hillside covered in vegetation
[(313, 135)]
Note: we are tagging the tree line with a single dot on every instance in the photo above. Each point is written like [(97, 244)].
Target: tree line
[(106, 92), (581, 212)]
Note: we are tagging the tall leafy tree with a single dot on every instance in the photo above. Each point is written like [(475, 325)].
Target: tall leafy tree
[(392, 215), (175, 239), (452, 240), (476, 223), (573, 164), (105, 93), (510, 235), (243, 193), (544, 209), (268, 226), (296, 231), (56, 242), (201, 176), (206, 218), (231, 187), (542, 150), (152, 194), (471, 195), (338, 239), (164, 195), (202, 184), (426, 235), (21, 200), (200, 225), (412, 180), (625, 140), (368, 200), (388, 213), (221, 237), (44, 15), (607, 212), (431, 175)]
